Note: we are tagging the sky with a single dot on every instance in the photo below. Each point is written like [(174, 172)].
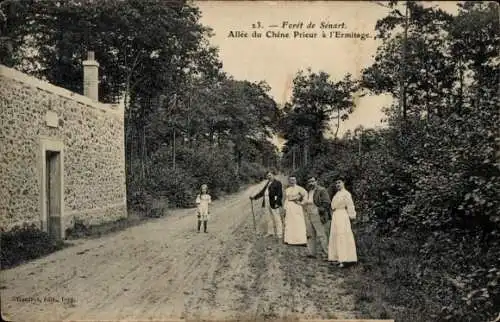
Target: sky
[(277, 60)]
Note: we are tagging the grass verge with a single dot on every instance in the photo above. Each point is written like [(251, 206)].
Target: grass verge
[(25, 243), (386, 282)]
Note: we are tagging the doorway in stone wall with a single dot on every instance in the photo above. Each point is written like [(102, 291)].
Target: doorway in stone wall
[(51, 179), (53, 195)]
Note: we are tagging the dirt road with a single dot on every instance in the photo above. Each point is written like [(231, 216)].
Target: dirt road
[(164, 269)]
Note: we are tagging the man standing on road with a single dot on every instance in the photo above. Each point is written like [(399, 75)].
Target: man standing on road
[(317, 214), (273, 201)]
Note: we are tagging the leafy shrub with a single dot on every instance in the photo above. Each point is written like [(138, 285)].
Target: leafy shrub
[(194, 167), (24, 243), (252, 172), (431, 207), (177, 184), (158, 208), (138, 200)]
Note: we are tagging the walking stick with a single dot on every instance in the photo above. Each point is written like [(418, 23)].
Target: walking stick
[(253, 215)]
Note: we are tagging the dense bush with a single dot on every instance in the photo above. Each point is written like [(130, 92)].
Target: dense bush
[(24, 243), (194, 167), (177, 184), (443, 212), (251, 172)]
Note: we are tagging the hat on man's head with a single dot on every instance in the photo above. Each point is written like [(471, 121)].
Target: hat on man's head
[(311, 179)]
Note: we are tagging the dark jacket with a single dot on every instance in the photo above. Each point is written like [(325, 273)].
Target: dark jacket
[(322, 200), (275, 194)]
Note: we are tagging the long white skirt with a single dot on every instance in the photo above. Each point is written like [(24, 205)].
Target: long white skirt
[(341, 246), (295, 225)]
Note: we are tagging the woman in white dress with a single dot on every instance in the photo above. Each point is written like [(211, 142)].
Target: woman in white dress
[(295, 225), (342, 247)]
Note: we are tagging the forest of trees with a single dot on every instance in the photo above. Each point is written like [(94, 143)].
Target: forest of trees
[(187, 122), (427, 184)]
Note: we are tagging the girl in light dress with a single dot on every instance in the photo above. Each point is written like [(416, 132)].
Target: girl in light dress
[(342, 247), (203, 200)]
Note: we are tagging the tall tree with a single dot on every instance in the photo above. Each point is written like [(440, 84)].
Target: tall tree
[(316, 100), (428, 70)]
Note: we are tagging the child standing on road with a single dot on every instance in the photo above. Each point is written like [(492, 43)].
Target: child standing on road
[(202, 201)]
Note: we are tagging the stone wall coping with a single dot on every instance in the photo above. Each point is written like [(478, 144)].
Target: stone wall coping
[(21, 77)]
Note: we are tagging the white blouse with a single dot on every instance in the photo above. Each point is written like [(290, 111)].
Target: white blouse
[(343, 201)]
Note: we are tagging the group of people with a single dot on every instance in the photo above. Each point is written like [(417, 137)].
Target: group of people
[(302, 216), (308, 215)]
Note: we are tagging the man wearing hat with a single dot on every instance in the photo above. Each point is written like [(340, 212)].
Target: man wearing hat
[(317, 214), (272, 195)]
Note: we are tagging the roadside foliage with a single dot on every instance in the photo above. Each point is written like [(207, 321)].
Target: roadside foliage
[(428, 182)]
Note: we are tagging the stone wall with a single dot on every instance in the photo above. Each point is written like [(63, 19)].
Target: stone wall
[(92, 135)]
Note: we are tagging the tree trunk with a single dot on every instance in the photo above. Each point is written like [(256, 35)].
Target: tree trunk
[(306, 153), (359, 151), (403, 68), (338, 124), (143, 152), (173, 151), (427, 90), (143, 139), (461, 88), (238, 162)]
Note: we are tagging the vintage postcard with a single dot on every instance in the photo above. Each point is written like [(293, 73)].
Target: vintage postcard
[(249, 160)]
